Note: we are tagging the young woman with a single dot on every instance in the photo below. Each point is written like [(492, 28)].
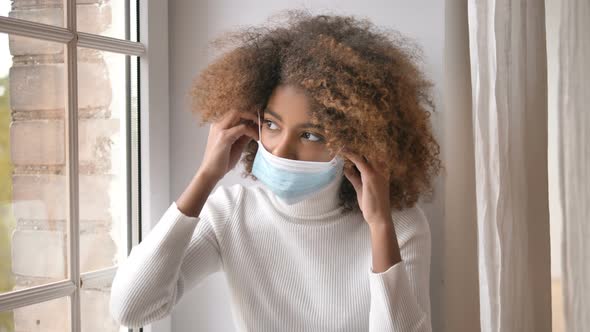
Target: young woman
[(330, 116)]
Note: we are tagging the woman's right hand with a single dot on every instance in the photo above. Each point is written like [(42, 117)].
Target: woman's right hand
[(226, 142)]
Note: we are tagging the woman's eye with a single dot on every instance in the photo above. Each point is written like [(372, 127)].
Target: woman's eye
[(269, 123), (312, 137)]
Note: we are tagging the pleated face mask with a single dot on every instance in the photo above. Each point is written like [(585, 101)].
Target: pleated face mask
[(293, 180)]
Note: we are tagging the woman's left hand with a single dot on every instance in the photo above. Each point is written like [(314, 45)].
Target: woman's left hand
[(372, 188)]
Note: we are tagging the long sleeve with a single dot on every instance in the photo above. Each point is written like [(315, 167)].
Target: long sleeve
[(400, 299), (178, 253)]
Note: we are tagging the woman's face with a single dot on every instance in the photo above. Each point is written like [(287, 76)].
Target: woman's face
[(286, 131)]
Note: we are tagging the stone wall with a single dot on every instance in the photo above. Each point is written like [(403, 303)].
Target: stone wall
[(39, 240)]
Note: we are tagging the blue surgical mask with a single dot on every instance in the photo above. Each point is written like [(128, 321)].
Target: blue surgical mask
[(293, 180)]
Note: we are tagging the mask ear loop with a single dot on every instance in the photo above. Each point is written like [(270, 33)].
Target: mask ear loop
[(259, 127)]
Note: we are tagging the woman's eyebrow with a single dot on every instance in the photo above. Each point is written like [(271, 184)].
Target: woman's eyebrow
[(271, 112), (303, 125), (309, 125)]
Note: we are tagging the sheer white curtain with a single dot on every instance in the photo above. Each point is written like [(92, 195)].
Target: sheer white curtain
[(509, 92), (573, 146)]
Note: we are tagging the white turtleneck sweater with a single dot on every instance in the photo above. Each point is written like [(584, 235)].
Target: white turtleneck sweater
[(300, 267)]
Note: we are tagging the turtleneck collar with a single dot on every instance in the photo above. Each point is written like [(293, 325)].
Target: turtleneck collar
[(319, 205)]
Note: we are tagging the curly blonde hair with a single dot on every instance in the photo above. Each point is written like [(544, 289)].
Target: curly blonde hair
[(365, 87)]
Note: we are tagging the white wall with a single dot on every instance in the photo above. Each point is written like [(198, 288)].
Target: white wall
[(192, 23)]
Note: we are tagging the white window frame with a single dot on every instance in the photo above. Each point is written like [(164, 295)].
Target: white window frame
[(152, 50)]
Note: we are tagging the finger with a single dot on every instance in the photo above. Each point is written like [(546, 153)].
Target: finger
[(232, 134), (360, 163), (383, 170), (236, 117), (229, 119), (354, 178), (249, 116), (380, 164), (227, 115)]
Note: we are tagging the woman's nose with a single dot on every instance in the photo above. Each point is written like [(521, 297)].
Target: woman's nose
[(284, 149)]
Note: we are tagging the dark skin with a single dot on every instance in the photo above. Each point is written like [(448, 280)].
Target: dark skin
[(287, 133)]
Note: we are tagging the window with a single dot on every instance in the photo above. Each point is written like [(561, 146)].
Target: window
[(69, 159)]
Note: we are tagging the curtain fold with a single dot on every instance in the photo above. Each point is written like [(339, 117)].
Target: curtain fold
[(573, 148), (509, 96)]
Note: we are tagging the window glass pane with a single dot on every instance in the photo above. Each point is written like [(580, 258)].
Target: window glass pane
[(108, 18), (94, 309), (46, 12), (102, 17), (33, 195), (104, 100), (50, 316)]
